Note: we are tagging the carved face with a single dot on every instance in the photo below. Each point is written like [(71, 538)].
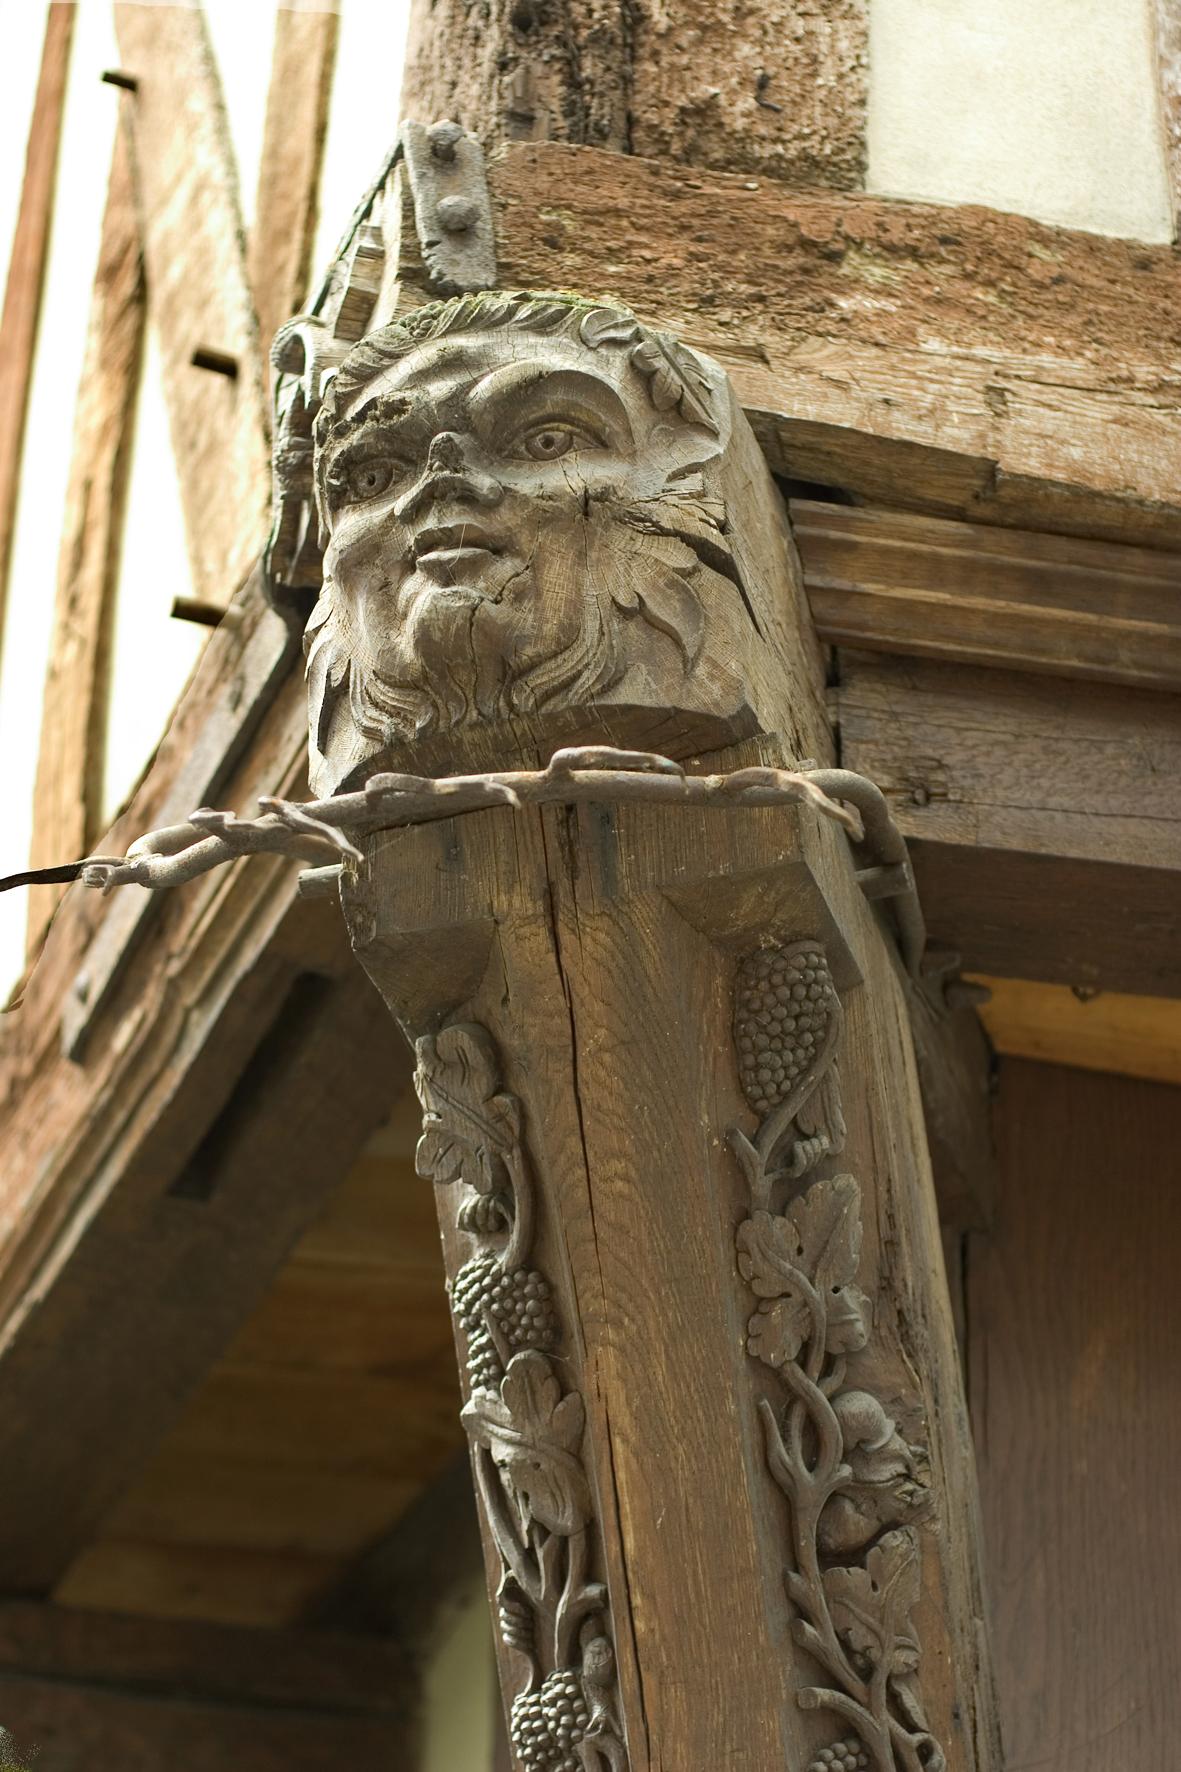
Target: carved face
[(513, 520)]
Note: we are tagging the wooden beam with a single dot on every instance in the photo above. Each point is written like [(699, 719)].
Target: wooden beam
[(286, 206), (866, 340), (890, 581), (1044, 815), (95, 1688), (26, 270), (146, 1281), (67, 804), (1101, 1031), (198, 292)]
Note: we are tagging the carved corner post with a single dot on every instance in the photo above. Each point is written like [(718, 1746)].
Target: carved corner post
[(669, 1099)]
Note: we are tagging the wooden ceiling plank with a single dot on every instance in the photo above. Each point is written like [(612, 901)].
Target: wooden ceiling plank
[(1044, 816), (1104, 1031), (67, 803), (959, 361), (286, 207), (198, 292), (931, 587), (26, 269), (322, 1669)]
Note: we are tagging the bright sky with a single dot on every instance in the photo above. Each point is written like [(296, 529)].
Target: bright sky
[(153, 654)]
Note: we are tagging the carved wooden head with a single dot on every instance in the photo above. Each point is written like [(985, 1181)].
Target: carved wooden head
[(524, 505)]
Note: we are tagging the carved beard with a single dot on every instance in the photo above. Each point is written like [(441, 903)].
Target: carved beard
[(601, 595)]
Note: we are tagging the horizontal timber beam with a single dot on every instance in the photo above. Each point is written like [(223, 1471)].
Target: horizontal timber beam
[(99, 1689), (891, 581), (958, 361), (1094, 1031), (1043, 815)]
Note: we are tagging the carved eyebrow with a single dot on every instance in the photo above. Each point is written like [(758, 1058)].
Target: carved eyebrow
[(523, 386)]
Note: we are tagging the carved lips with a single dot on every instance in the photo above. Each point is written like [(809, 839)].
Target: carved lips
[(444, 550)]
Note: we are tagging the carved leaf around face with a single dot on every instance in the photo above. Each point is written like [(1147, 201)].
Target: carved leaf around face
[(533, 1433), (871, 1607), (654, 578)]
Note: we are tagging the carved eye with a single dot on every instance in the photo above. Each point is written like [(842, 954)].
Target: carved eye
[(547, 442), (369, 478)]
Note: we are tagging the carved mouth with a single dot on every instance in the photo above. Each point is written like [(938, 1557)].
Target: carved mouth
[(453, 542)]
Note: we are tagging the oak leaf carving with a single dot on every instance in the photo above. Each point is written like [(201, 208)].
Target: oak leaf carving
[(533, 1433), (871, 1607)]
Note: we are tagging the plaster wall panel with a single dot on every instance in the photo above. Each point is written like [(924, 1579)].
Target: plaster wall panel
[(1051, 110)]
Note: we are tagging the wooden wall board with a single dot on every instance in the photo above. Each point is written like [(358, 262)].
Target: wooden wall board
[(198, 291), (25, 278), (931, 587), (957, 361), (1044, 815), (67, 803), (279, 251), (1105, 1031), (1075, 1328)]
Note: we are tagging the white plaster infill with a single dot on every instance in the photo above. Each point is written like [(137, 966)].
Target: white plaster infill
[(1048, 108)]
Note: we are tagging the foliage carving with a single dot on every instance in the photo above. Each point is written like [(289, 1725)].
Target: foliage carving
[(526, 1430), (855, 1489)]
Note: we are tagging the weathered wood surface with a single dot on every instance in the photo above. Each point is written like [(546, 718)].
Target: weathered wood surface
[(67, 804), (1075, 1355), (286, 209), (81, 1688), (26, 269), (198, 290), (521, 71), (866, 340), (930, 587), (1044, 816), (788, 98), (1095, 1031)]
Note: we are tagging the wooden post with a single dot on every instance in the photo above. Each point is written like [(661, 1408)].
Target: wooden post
[(664, 1057)]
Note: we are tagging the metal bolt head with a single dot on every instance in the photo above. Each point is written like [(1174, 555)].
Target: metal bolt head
[(457, 214), (443, 138)]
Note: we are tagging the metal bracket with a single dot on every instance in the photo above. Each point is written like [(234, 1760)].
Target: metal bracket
[(452, 206)]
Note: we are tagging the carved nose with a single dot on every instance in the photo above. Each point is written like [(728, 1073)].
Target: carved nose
[(447, 470), (445, 455)]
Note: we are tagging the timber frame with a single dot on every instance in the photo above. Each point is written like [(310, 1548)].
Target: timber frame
[(933, 434)]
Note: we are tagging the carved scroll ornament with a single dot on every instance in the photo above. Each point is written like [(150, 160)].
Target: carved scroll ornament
[(854, 1487), (526, 1430)]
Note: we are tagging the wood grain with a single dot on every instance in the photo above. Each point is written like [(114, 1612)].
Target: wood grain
[(1075, 1351), (26, 268), (889, 581), (67, 803), (198, 291), (286, 209), (787, 100), (865, 341), (1044, 816)]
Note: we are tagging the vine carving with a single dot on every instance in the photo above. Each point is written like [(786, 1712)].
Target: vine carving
[(855, 1488), (526, 1430)]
